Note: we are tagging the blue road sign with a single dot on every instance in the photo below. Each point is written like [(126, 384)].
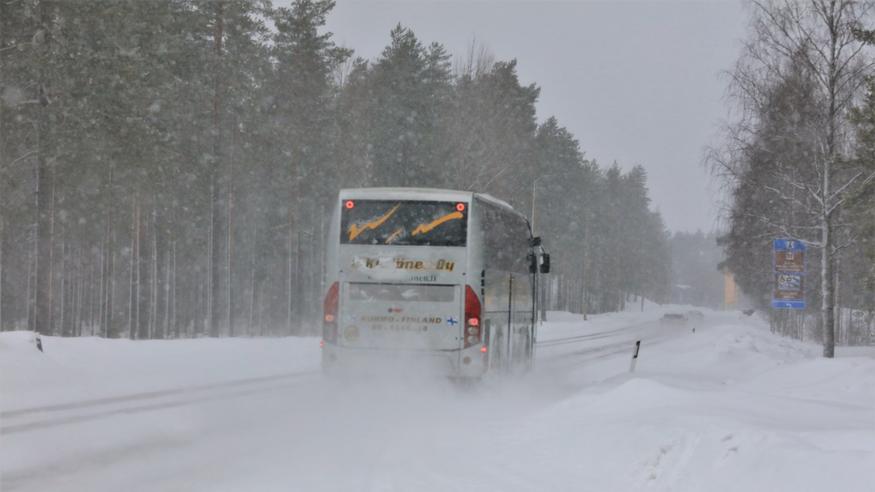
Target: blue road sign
[(788, 255), (777, 304), (788, 291), (789, 245)]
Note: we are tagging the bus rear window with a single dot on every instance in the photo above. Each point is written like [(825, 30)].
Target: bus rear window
[(404, 222)]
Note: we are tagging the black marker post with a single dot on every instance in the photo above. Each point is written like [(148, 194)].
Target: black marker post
[(635, 356)]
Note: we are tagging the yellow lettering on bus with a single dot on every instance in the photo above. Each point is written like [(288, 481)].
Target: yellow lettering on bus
[(445, 265)]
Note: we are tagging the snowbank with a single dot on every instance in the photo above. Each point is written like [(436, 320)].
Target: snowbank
[(73, 369)]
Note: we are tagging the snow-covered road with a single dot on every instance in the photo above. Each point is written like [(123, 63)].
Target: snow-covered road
[(730, 407)]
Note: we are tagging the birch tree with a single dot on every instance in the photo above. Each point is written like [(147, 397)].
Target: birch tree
[(814, 41)]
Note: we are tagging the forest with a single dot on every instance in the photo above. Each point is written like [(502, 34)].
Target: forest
[(167, 167)]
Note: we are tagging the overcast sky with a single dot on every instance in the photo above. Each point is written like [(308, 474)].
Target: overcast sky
[(636, 82)]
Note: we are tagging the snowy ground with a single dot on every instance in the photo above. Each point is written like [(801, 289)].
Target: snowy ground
[(729, 407)]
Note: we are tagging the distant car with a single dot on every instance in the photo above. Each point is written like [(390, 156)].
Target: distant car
[(673, 319), (695, 315)]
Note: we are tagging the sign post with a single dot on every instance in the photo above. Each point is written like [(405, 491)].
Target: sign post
[(635, 356), (788, 260)]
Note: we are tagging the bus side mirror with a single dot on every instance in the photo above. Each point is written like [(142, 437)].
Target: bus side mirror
[(545, 263), (533, 262)]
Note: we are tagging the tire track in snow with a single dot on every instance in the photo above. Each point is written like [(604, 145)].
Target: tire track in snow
[(141, 396), (579, 338), (594, 347), (68, 413)]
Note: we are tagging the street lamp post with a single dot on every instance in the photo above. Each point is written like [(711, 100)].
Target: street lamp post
[(534, 196), (541, 300)]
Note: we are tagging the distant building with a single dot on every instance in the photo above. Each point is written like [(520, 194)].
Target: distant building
[(730, 290)]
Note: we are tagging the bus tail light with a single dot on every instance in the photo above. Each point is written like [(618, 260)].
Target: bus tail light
[(329, 318), (472, 318)]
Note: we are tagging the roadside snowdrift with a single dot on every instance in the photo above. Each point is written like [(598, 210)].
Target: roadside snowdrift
[(74, 369)]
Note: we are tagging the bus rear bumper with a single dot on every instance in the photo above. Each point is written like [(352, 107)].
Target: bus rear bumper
[(465, 363)]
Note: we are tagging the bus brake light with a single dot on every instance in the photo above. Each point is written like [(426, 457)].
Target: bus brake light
[(329, 324), (472, 317)]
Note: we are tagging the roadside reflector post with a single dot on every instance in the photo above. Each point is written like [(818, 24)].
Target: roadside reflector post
[(635, 356)]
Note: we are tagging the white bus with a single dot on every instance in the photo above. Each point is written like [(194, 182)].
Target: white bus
[(439, 277)]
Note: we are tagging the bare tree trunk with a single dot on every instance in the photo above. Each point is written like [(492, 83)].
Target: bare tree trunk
[(63, 326), (826, 289), (72, 272), (322, 266), (109, 331), (153, 291), (216, 181), (102, 329), (216, 264), (260, 316), (837, 308), (560, 293), (173, 318), (211, 269), (106, 263), (289, 294), (149, 267), (173, 293), (73, 290), (2, 241), (80, 294), (44, 173), (299, 311), (165, 324), (142, 275), (51, 265), (802, 328), (30, 303), (93, 293), (131, 297), (133, 309), (200, 303), (230, 246), (250, 325)]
